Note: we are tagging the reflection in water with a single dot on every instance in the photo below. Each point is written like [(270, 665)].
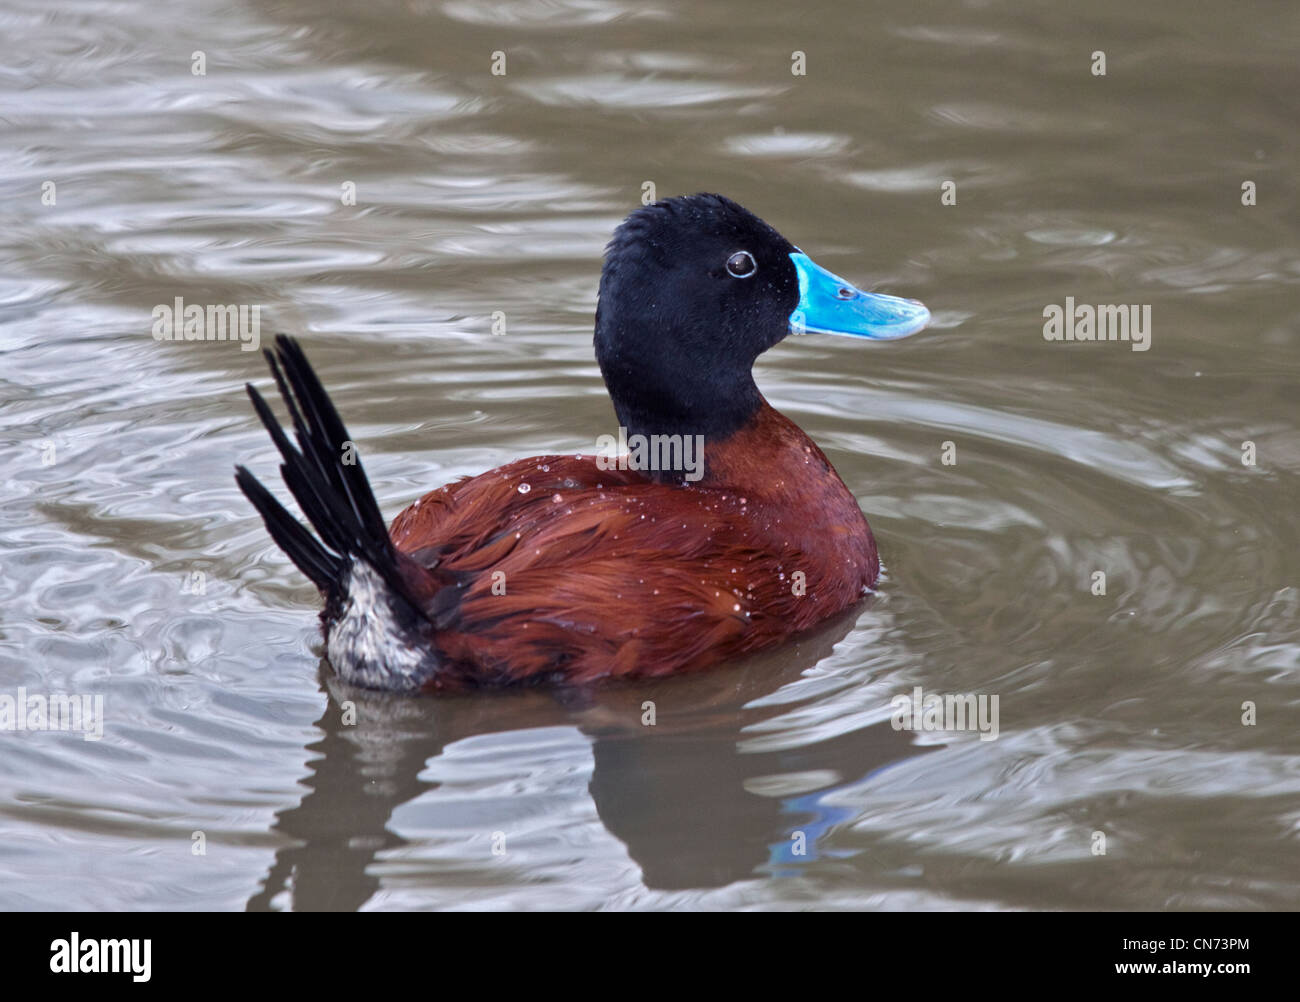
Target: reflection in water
[(681, 800)]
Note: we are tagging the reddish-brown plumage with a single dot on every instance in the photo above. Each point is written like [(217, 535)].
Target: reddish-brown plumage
[(607, 573)]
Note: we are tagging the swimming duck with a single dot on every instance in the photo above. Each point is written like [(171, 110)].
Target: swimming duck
[(569, 569)]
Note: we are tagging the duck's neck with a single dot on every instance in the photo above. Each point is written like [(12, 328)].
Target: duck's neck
[(769, 455), (680, 397)]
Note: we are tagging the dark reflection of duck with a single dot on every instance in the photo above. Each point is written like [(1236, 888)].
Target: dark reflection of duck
[(684, 796)]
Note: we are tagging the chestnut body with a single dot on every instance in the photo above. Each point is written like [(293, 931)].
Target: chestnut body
[(551, 569)]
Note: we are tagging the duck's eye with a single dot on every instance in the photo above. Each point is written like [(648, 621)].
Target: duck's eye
[(741, 264)]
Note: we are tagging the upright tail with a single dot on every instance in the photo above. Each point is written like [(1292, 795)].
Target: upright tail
[(374, 631)]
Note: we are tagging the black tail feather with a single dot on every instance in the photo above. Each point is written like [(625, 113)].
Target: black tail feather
[(303, 548), (325, 478)]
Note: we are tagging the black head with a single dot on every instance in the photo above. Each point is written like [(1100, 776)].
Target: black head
[(694, 289)]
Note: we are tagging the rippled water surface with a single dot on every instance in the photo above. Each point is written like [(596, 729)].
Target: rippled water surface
[(134, 569)]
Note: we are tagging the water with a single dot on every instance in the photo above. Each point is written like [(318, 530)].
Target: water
[(1120, 714)]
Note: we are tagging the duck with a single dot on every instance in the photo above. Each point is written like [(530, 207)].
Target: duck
[(574, 569)]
